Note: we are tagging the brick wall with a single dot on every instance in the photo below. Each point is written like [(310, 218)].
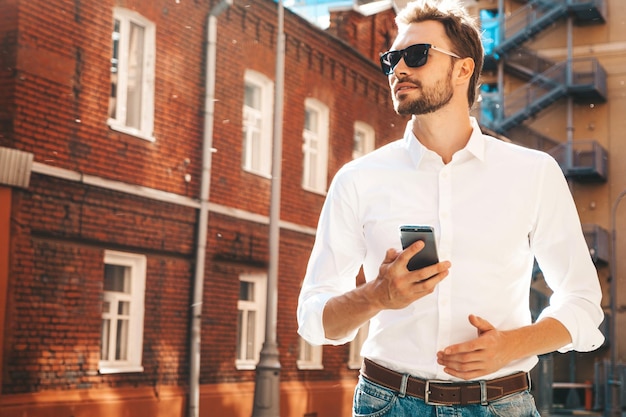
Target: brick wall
[(61, 227), (318, 66), (59, 235), (62, 84)]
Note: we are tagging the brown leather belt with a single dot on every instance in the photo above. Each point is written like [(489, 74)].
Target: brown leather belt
[(436, 392)]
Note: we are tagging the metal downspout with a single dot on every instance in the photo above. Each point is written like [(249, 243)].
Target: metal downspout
[(501, 37), (203, 216), (569, 77)]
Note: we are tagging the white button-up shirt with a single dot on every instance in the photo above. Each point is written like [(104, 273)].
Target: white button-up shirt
[(495, 207)]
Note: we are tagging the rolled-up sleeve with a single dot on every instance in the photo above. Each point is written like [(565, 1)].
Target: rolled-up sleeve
[(563, 256), (335, 260)]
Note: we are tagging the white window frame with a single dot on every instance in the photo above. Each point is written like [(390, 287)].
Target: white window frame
[(355, 359), (368, 135), (315, 149), (309, 356), (258, 127), (136, 265), (257, 305), (117, 121)]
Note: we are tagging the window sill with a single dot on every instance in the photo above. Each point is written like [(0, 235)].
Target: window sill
[(112, 369), (131, 131), (306, 366), (245, 366), (258, 173), (313, 190)]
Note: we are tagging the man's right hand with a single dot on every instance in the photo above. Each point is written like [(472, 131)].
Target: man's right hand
[(396, 287)]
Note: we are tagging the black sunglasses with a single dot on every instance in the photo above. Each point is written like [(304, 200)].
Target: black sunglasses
[(414, 56)]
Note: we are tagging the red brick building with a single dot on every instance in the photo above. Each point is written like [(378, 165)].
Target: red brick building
[(106, 108)]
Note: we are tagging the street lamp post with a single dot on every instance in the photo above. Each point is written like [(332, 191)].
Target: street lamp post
[(267, 382), (614, 385)]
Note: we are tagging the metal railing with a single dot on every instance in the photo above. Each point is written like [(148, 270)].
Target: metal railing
[(599, 5), (588, 74), (527, 62), (582, 159), (597, 239), (587, 80), (540, 86), (531, 15), (525, 136), (537, 15)]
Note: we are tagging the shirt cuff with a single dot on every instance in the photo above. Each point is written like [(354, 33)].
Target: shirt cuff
[(584, 331), (310, 324)]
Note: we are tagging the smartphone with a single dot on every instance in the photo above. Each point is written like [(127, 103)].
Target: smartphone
[(410, 234)]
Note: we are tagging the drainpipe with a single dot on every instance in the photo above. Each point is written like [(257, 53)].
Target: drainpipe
[(613, 406), (569, 77), (203, 217), (501, 36)]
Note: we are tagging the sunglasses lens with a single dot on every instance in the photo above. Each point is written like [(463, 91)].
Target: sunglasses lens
[(414, 56), (389, 60)]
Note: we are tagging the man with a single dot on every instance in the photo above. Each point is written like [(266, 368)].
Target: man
[(454, 338)]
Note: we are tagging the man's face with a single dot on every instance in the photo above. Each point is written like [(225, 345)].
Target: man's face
[(428, 88), (423, 99)]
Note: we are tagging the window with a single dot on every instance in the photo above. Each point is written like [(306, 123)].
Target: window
[(315, 146), (258, 105), (251, 319), (131, 101), (122, 312), (364, 139), (355, 359), (309, 356)]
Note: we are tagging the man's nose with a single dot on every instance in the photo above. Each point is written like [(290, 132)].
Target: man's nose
[(401, 67)]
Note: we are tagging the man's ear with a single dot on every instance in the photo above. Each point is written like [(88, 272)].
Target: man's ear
[(465, 70)]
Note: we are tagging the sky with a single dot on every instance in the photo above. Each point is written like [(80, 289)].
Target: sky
[(315, 11)]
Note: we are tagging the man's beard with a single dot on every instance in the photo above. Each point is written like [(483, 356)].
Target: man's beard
[(431, 99)]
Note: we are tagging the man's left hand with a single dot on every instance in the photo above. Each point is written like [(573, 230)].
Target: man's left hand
[(478, 357)]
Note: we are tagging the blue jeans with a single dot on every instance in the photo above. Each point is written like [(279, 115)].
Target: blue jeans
[(373, 400)]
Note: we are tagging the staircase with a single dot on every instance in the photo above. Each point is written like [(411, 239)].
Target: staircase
[(528, 21), (547, 83), (537, 15), (582, 79)]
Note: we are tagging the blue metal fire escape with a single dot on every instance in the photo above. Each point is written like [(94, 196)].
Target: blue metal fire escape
[(547, 82), (581, 80)]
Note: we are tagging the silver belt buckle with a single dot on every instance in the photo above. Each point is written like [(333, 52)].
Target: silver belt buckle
[(427, 391)]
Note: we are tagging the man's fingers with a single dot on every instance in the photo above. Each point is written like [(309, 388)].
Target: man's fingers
[(390, 256), (408, 253), (399, 286), (481, 324), (463, 365), (433, 271), (463, 348)]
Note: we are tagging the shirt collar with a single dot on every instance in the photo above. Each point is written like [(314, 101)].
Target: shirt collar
[(476, 143), (475, 146)]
